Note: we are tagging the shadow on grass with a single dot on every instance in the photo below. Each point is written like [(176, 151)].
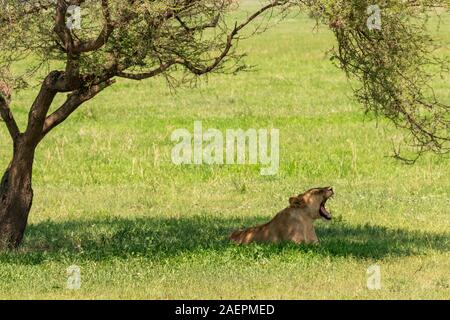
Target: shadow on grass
[(159, 238)]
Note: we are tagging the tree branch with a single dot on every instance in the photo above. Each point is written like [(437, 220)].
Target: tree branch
[(206, 69), (40, 107), (61, 28), (73, 101), (200, 70), (104, 35), (74, 47), (6, 114), (145, 75), (212, 24), (35, 9)]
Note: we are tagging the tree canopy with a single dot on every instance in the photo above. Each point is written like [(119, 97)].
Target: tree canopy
[(181, 39)]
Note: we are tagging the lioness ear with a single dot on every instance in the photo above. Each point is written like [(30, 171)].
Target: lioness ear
[(296, 202)]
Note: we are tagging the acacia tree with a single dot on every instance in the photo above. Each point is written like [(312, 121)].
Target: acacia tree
[(183, 39)]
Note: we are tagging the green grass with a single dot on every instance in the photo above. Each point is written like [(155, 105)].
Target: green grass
[(109, 199)]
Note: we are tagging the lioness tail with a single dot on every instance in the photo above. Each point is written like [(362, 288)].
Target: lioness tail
[(244, 236)]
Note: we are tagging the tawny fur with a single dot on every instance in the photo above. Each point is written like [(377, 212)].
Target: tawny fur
[(294, 223)]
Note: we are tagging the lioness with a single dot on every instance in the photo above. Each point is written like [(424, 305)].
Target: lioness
[(295, 223)]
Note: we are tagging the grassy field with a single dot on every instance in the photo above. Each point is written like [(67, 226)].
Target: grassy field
[(109, 199)]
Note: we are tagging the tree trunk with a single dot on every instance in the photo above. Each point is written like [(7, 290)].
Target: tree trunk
[(16, 196)]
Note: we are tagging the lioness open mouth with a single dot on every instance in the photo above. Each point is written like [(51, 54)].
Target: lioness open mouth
[(323, 211)]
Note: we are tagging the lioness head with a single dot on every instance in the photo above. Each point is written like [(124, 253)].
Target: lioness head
[(313, 202)]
